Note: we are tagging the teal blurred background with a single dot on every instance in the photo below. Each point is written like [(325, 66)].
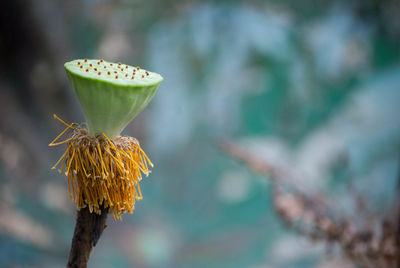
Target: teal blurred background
[(313, 86)]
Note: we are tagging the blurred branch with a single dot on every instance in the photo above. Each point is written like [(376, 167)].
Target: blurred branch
[(375, 246), (397, 207)]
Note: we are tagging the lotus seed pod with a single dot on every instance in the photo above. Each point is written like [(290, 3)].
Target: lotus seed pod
[(104, 169), (111, 94)]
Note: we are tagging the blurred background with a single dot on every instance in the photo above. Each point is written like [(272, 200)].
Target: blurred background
[(312, 86)]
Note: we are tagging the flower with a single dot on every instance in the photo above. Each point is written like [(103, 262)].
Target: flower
[(104, 169)]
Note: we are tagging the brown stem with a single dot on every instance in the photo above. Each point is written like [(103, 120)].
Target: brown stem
[(88, 229)]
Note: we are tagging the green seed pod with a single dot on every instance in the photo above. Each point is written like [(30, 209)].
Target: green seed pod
[(111, 94)]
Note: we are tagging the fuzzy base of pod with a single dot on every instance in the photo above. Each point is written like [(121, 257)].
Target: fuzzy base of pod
[(102, 173)]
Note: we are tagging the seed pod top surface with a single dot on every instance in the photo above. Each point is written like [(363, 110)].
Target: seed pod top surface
[(117, 74), (111, 94)]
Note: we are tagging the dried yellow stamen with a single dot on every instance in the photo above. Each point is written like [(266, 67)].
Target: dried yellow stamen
[(101, 171)]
